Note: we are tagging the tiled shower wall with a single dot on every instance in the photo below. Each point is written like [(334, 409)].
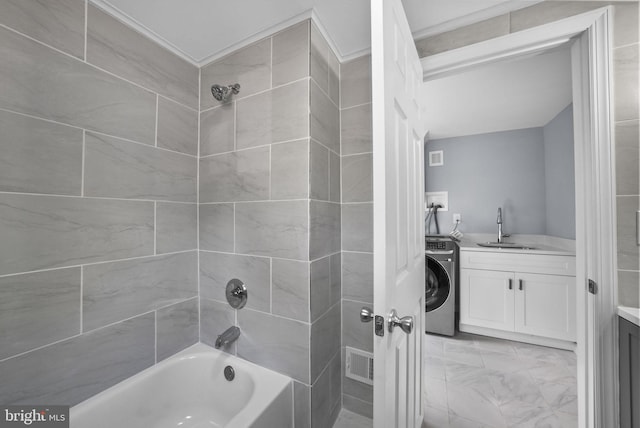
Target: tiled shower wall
[(98, 259), (626, 50), (270, 212)]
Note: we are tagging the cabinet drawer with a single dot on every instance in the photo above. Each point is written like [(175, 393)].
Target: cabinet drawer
[(529, 263)]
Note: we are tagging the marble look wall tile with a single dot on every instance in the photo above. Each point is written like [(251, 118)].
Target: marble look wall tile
[(281, 114), (216, 269), (357, 276), (176, 227), (357, 406), (628, 254), (177, 127), (629, 288), (474, 33), (324, 233), (334, 78), (37, 309), (355, 333), (626, 82), (176, 328), (42, 232), (277, 343), (319, 59), (627, 136), (357, 178), (319, 171), (216, 227), (290, 289), (291, 54), (355, 82), (39, 156), (250, 67), (59, 24), (236, 176), (301, 405), (215, 318), (325, 341), (357, 227), (320, 287), (325, 119), (335, 180), (545, 12), (118, 48), (121, 169), (326, 396), (625, 24), (275, 229), (115, 291), (71, 371), (356, 130), (290, 170), (336, 278), (77, 93), (218, 130)]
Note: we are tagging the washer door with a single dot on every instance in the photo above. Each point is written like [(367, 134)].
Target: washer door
[(437, 284)]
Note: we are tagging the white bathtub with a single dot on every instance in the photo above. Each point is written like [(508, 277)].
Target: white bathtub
[(189, 390)]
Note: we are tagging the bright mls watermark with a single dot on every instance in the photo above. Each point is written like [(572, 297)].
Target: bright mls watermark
[(34, 416)]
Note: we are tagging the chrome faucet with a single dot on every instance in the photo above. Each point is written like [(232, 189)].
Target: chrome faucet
[(499, 221), (230, 335)]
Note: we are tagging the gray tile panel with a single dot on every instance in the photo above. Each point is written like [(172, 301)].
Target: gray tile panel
[(357, 227), (628, 250), (118, 48), (176, 227), (301, 405), (39, 156), (326, 395), (625, 24), (334, 177), (275, 229), (42, 232), (57, 23), (38, 81), (320, 287), (217, 269), (319, 64), (176, 328), (121, 169), (325, 229), (290, 170), (626, 87), (218, 130), (290, 289), (177, 127), (355, 82), (325, 341), (37, 309), (334, 78), (277, 343), (235, 176), (73, 370), (325, 119), (355, 333), (250, 67), (629, 288), (545, 12), (357, 276), (216, 227), (115, 291), (319, 171), (356, 130), (627, 136), (281, 114), (357, 178), (291, 54)]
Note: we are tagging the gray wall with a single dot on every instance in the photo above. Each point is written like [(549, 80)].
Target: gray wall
[(625, 103), (559, 175), (270, 212), (484, 172), (98, 260)]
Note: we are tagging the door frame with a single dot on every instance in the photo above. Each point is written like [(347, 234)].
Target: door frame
[(596, 251)]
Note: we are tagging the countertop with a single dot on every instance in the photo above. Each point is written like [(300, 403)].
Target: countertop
[(540, 244), (630, 314)]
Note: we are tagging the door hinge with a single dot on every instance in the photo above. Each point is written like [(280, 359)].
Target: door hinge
[(593, 286)]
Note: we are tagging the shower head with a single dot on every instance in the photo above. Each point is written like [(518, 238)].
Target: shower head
[(223, 93)]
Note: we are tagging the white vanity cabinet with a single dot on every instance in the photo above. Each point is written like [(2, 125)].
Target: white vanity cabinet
[(525, 295)]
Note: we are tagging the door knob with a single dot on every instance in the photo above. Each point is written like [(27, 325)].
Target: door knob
[(405, 323), (366, 314)]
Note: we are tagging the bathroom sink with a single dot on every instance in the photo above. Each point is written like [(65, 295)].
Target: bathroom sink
[(510, 245)]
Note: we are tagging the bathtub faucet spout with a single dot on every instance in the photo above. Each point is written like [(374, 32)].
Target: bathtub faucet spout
[(230, 335)]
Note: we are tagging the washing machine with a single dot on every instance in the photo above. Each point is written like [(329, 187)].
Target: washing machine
[(441, 254)]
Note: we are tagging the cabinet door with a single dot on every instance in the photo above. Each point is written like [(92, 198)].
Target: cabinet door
[(486, 298), (545, 305)]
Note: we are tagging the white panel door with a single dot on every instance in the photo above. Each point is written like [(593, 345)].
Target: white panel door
[(486, 298), (546, 305), (398, 172)]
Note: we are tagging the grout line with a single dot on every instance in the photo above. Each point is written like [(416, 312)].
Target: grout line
[(258, 147), (155, 227), (355, 106), (86, 28), (271, 284), (84, 154), (105, 198), (81, 298), (155, 335), (234, 228), (156, 125), (198, 204)]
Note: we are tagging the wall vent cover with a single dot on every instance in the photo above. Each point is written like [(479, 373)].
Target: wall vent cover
[(359, 365)]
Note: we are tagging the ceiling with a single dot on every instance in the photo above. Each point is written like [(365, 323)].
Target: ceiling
[(507, 95), (203, 30)]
